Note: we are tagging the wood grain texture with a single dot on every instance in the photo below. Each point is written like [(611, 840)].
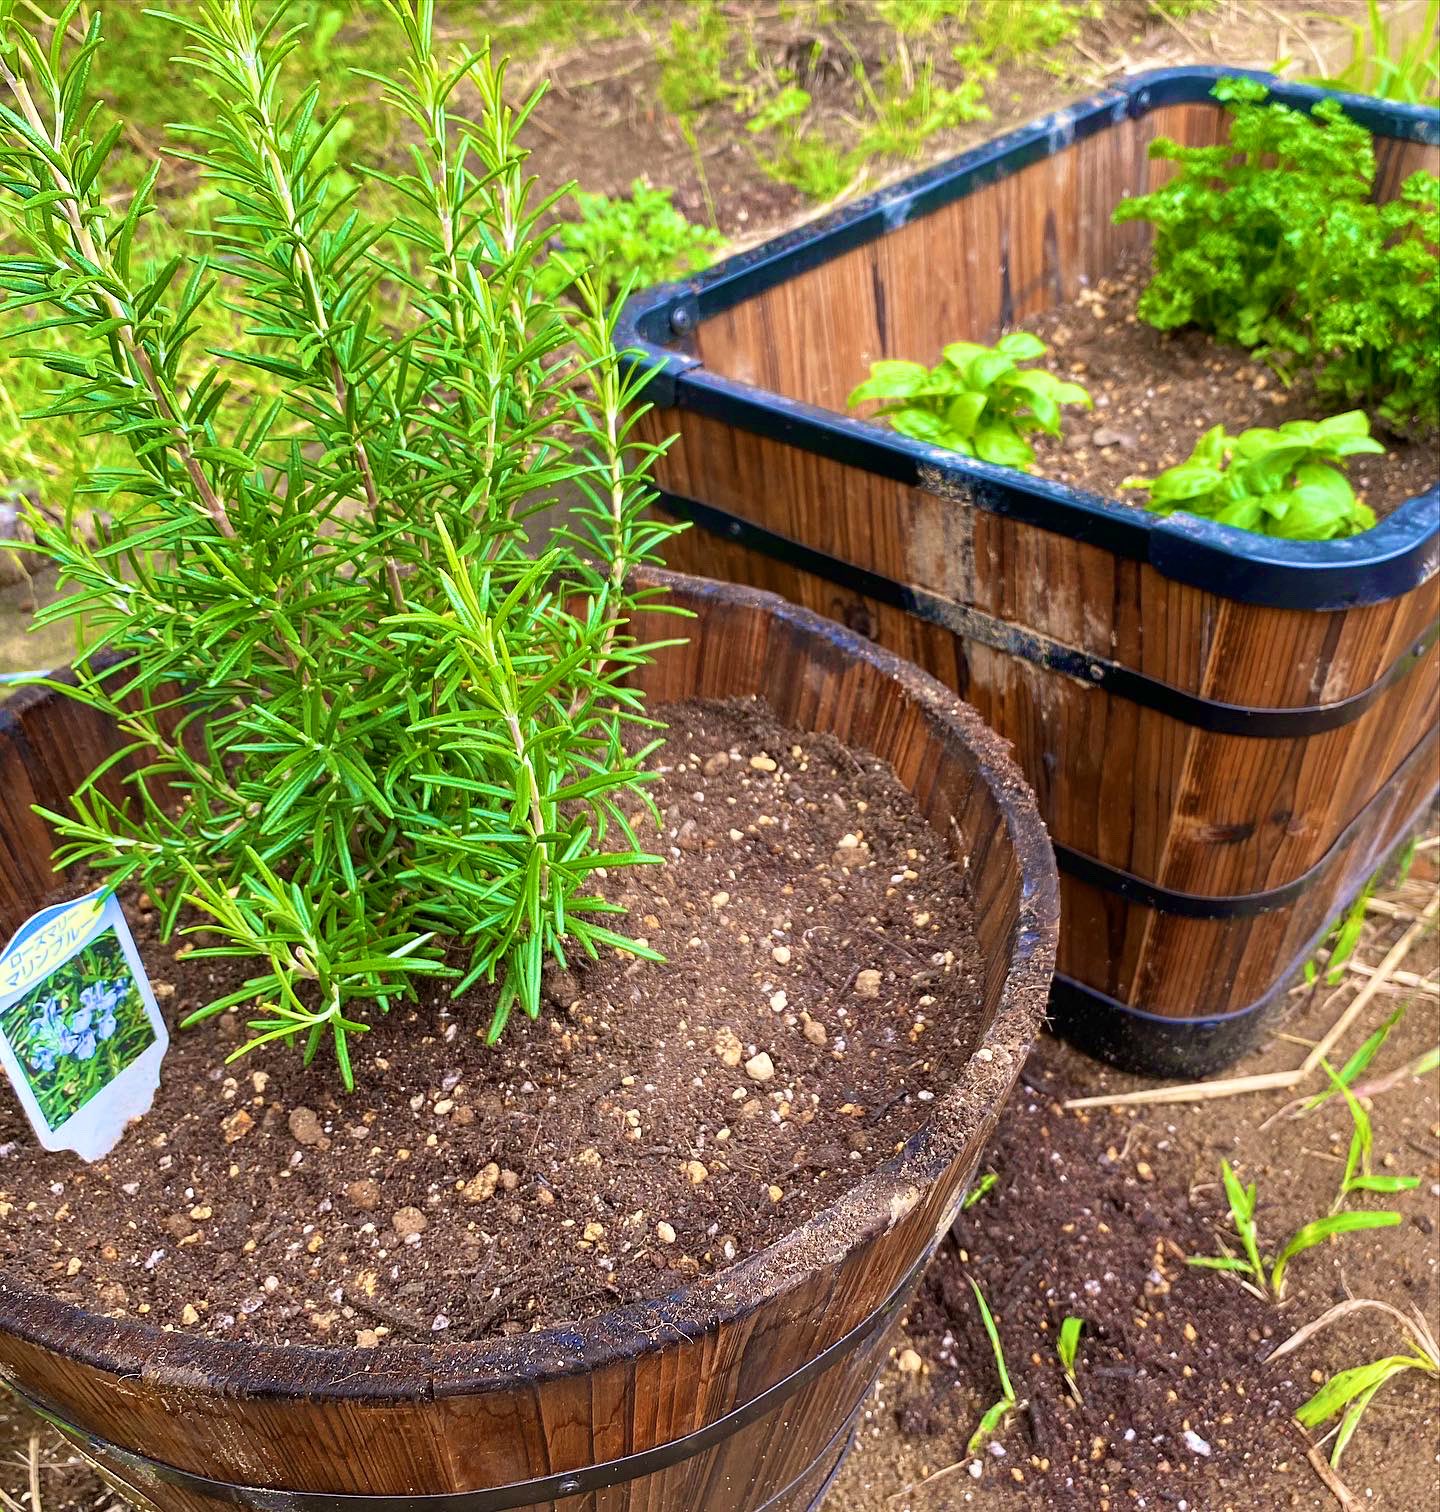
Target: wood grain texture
[(413, 1419), (1136, 789)]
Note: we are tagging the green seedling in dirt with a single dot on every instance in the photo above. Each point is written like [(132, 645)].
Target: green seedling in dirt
[(1266, 1278), (818, 169), (977, 400), (640, 237), (1344, 934), (1359, 1177), (985, 1184), (1277, 482), (1066, 1347), (1342, 939), (1349, 1392), (998, 1411)]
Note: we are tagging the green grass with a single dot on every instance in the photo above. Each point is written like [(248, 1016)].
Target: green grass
[(1383, 64), (941, 60)]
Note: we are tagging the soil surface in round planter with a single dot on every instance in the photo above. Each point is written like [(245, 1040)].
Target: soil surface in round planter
[(1157, 392), (657, 1122)]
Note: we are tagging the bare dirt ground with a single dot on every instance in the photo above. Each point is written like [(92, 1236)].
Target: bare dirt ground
[(1139, 1176), (601, 126)]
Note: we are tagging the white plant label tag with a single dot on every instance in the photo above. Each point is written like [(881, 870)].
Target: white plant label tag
[(80, 1036)]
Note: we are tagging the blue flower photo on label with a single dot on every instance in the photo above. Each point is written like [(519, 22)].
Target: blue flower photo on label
[(79, 1029)]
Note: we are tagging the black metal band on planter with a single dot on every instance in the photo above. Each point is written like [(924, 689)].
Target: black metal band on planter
[(1133, 889), (518, 1494), (1154, 1044), (1014, 640)]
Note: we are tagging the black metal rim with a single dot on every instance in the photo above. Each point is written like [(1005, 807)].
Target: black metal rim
[(1380, 564)]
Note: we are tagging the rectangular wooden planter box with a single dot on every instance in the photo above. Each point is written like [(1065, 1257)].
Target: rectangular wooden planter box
[(1226, 733)]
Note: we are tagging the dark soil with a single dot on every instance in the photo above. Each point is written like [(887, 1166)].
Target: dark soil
[(1175, 1395), (1091, 1216), (1157, 392), (625, 1142)]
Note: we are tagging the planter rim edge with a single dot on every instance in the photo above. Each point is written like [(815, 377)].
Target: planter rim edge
[(879, 1200)]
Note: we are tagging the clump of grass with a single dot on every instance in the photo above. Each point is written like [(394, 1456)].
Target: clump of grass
[(1266, 1277), (904, 119), (1382, 64), (694, 72), (1348, 1393)]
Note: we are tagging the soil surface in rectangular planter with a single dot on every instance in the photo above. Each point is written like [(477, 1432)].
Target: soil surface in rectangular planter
[(1157, 392), (655, 1123)]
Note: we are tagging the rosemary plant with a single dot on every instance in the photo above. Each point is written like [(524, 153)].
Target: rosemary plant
[(376, 730)]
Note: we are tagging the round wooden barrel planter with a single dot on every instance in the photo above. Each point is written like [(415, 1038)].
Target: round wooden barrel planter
[(1226, 733), (733, 1394)]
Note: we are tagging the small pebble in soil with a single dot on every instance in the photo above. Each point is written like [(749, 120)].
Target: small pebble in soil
[(409, 1222)]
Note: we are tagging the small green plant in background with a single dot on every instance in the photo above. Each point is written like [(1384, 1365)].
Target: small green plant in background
[(401, 737), (1067, 1346), (903, 120), (1278, 482), (1266, 1278), (693, 71), (997, 1412), (1342, 938), (1384, 66), (817, 168), (1344, 934), (977, 400), (638, 239), (1273, 241), (1348, 1393)]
